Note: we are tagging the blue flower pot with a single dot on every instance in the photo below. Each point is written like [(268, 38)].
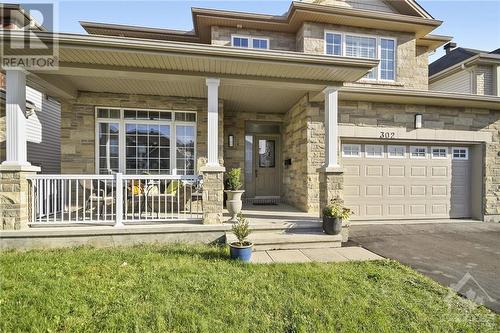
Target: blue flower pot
[(243, 253)]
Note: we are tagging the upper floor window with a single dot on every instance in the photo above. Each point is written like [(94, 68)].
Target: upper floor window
[(240, 41), (250, 42), (365, 47), (387, 58), (333, 43), (260, 43)]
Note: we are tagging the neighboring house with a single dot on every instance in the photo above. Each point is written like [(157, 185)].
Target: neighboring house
[(466, 71), (330, 99), (43, 131)]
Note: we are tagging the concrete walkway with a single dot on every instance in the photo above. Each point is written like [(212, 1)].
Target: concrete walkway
[(317, 255)]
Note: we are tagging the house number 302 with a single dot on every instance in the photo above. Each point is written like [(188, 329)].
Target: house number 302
[(387, 135)]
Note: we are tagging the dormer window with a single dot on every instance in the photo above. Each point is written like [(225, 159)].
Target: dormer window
[(361, 46), (250, 42)]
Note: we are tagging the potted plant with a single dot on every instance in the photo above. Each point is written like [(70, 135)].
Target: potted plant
[(233, 192), (241, 249), (333, 215)]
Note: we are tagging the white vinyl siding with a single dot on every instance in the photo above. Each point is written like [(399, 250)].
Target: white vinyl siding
[(460, 82), (43, 132)]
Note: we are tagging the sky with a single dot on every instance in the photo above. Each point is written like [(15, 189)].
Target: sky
[(472, 23)]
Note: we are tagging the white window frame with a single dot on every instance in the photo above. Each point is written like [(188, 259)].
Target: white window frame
[(121, 134), (241, 36), (358, 147), (460, 158), (439, 157), (413, 148), (374, 156), (250, 41), (395, 156), (378, 51), (261, 38)]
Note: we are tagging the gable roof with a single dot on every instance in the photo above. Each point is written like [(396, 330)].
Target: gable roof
[(416, 22), (456, 56)]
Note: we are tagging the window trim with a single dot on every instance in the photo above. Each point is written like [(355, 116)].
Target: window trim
[(261, 38), (122, 122), (352, 144), (418, 157), (250, 41), (378, 51), (439, 157), (396, 157), (375, 156), (460, 158)]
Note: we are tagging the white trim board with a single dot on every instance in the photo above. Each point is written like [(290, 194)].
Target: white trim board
[(422, 134)]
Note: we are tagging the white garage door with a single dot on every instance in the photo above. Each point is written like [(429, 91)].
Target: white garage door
[(406, 182)]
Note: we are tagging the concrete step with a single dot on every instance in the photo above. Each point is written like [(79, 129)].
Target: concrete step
[(290, 241), (299, 227)]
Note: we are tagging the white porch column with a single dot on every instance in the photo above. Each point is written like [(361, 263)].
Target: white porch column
[(331, 127), (15, 110), (213, 122)]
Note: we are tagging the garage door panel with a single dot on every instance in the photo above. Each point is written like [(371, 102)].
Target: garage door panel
[(399, 188)]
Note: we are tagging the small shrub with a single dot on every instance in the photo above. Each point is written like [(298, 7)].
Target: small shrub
[(337, 209), (233, 182), (241, 230)]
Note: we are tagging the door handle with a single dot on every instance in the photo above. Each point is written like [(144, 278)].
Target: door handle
[(256, 173)]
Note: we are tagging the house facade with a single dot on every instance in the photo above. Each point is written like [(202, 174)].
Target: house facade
[(331, 99)]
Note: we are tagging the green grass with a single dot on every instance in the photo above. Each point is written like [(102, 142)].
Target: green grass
[(182, 288)]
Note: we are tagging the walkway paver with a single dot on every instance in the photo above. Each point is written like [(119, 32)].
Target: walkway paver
[(288, 256), (318, 255)]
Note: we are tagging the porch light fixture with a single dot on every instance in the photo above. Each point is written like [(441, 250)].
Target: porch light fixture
[(230, 140), (418, 120)]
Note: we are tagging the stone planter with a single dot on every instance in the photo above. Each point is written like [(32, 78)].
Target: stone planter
[(332, 225), (233, 203)]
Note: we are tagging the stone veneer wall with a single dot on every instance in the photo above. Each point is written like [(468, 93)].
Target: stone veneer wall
[(78, 125), (411, 61), (401, 115), (295, 181), (2, 130), (277, 40)]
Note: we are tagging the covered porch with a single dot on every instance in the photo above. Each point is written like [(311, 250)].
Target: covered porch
[(148, 129)]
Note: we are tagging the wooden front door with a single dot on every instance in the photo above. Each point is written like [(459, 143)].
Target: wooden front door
[(267, 165)]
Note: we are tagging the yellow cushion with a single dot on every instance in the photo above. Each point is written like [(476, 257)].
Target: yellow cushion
[(173, 187)]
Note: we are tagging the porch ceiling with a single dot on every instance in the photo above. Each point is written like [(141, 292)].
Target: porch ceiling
[(238, 95), (157, 61)]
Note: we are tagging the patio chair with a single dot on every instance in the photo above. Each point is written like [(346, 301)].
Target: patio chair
[(168, 200), (95, 192)]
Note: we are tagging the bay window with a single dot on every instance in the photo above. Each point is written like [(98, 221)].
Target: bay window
[(145, 141), (370, 47)]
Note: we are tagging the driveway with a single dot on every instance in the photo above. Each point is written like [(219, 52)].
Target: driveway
[(463, 254)]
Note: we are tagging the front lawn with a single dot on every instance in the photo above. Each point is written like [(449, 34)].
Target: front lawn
[(183, 288)]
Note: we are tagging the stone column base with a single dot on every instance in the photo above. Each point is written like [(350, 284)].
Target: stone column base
[(14, 200), (331, 186), (213, 194)]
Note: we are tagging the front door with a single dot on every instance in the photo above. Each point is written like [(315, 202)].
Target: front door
[(267, 166)]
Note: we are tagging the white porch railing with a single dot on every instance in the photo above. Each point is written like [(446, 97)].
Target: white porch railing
[(113, 199)]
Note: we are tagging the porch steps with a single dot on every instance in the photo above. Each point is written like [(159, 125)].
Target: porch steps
[(295, 239)]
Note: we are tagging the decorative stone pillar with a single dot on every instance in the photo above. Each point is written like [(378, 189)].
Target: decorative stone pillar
[(331, 186), (213, 195), (213, 172), (14, 199)]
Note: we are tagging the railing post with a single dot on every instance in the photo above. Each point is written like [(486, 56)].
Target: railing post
[(119, 200)]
